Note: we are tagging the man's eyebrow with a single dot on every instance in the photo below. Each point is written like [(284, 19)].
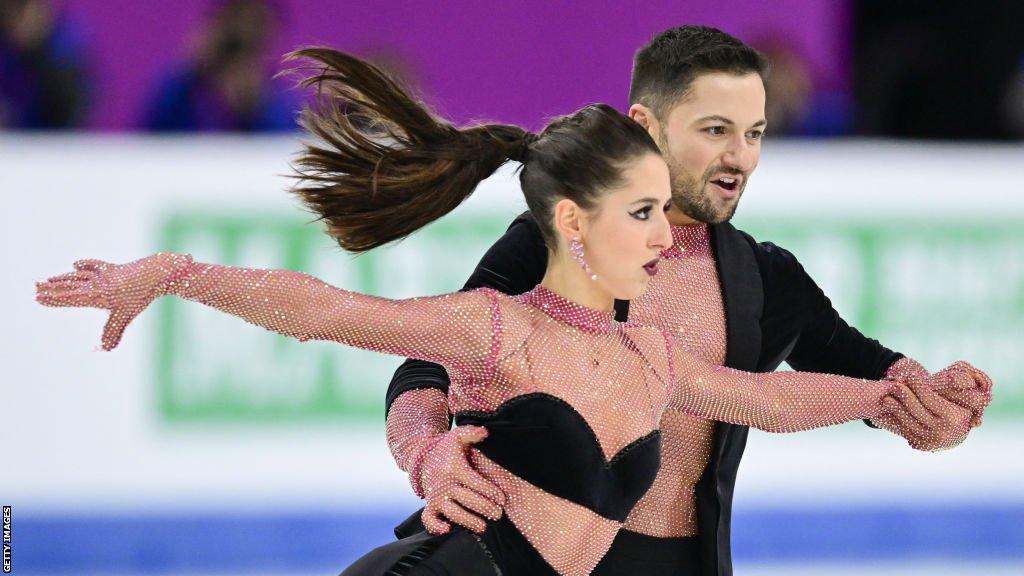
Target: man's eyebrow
[(724, 120), (716, 118)]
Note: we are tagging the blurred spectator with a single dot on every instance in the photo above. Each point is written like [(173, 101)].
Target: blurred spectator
[(944, 70), (225, 85), (43, 76), (797, 105), (1013, 100)]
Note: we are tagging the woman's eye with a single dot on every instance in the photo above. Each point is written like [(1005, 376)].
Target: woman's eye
[(642, 214), (756, 134), (715, 130)]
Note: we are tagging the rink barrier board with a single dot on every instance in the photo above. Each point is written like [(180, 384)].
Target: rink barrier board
[(309, 541)]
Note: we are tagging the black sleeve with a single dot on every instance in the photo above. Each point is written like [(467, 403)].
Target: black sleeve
[(513, 265), (801, 327)]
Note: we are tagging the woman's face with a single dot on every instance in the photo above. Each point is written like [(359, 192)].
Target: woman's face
[(624, 234)]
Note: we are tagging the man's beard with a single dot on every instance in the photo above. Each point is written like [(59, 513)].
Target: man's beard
[(689, 194), (688, 191)]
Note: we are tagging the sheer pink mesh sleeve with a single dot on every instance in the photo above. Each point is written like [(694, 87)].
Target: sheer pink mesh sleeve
[(774, 402), (460, 331), (415, 417), (438, 462)]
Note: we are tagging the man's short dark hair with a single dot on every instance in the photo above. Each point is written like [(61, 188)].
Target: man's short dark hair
[(665, 68)]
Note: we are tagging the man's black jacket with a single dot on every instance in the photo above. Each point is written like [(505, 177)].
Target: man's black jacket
[(774, 312)]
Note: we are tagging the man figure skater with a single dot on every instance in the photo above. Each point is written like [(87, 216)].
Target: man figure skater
[(742, 304)]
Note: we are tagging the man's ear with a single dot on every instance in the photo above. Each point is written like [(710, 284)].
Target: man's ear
[(645, 117)]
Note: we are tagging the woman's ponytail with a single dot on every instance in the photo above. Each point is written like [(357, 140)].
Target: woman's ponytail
[(384, 165)]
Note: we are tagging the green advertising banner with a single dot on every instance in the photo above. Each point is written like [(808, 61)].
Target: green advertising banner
[(937, 291)]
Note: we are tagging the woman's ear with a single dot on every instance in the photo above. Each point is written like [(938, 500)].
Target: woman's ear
[(568, 219)]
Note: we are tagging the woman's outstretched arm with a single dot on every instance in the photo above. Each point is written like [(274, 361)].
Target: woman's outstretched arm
[(794, 401), (456, 330)]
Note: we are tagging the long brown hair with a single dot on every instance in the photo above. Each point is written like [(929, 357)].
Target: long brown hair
[(385, 166)]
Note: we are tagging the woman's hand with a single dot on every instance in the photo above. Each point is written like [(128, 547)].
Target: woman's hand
[(937, 411), (454, 491), (123, 289)]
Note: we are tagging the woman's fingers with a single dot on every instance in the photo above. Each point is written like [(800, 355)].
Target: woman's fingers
[(961, 385), (69, 297), (475, 503), (432, 520), (982, 381), (468, 476), (474, 480), (961, 376), (70, 293), (124, 290), (936, 404), (963, 379), (89, 264), (454, 512), (908, 426), (469, 435), (968, 387), (114, 328), (914, 406), (86, 275), (61, 286), (56, 288), (53, 300), (974, 400)]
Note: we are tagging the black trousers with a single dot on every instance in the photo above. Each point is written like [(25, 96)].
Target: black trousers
[(426, 555), (503, 551)]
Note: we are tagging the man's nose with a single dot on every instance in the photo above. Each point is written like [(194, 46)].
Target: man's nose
[(741, 155)]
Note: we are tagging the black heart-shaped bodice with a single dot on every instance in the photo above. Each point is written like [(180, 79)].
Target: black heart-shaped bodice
[(545, 441)]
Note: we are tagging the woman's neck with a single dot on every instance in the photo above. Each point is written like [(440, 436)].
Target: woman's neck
[(566, 278)]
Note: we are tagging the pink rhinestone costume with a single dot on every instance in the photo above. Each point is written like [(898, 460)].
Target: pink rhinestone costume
[(619, 378), (685, 299)]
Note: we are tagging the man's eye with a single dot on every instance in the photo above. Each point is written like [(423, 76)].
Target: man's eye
[(642, 214)]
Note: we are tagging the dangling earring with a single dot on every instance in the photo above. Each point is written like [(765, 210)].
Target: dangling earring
[(576, 249)]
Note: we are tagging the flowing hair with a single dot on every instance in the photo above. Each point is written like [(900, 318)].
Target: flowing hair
[(385, 165)]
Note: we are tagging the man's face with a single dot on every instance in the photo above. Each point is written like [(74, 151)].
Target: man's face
[(711, 141)]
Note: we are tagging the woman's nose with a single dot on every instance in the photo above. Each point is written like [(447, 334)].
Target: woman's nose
[(662, 237)]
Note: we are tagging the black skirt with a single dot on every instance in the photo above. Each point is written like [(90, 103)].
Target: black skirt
[(503, 551), (633, 553), (500, 551)]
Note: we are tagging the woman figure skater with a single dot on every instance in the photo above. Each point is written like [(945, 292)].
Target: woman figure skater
[(569, 399)]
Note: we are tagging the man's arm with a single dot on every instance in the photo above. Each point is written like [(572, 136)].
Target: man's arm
[(418, 418), (803, 328)]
